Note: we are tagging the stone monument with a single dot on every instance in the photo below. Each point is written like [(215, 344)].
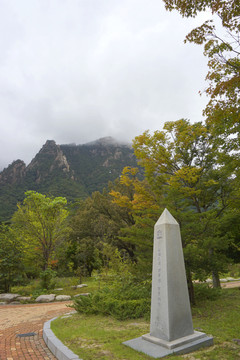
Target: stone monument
[(171, 328)]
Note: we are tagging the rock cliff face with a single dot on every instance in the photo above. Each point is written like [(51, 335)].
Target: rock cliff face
[(49, 160), (73, 171), (50, 151), (14, 173)]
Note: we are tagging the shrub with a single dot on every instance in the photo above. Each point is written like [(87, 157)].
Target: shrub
[(47, 279), (27, 289), (125, 301), (129, 309), (204, 291), (234, 270)]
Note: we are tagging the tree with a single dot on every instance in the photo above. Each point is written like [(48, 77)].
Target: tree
[(11, 259), (143, 208), (96, 223), (220, 37), (40, 223), (180, 165), (221, 46)]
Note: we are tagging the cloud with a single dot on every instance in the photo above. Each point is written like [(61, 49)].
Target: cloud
[(76, 71)]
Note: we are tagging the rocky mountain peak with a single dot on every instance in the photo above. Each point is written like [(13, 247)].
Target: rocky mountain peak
[(50, 159), (74, 171), (13, 173), (50, 146)]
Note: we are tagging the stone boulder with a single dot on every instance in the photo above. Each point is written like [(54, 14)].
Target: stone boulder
[(63, 297), (8, 297), (15, 303), (83, 294), (45, 298), (78, 286), (24, 298)]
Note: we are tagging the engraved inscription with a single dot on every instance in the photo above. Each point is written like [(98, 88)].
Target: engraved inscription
[(159, 276), (158, 269)]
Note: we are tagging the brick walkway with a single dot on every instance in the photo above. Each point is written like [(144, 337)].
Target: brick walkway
[(23, 319)]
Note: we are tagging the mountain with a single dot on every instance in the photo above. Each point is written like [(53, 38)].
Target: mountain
[(73, 171)]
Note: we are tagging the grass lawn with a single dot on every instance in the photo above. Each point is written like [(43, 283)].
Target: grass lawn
[(97, 337)]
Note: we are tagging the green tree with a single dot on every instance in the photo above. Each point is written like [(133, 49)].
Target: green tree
[(40, 222), (97, 222), (231, 227), (180, 165), (221, 46), (11, 259), (220, 37)]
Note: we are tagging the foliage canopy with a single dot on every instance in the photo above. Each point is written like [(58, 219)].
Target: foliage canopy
[(40, 223)]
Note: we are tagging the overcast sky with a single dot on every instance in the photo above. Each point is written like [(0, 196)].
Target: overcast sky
[(77, 70)]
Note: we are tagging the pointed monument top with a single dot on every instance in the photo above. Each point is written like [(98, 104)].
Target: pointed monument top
[(166, 218)]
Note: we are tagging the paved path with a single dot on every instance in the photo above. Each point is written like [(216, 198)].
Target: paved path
[(22, 319), (231, 284)]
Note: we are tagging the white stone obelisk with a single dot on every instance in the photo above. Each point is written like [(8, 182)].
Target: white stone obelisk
[(171, 328), (170, 308)]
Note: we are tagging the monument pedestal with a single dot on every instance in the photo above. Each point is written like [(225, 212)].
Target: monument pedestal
[(171, 328), (158, 348)]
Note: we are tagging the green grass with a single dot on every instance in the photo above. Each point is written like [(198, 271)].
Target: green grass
[(97, 337)]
